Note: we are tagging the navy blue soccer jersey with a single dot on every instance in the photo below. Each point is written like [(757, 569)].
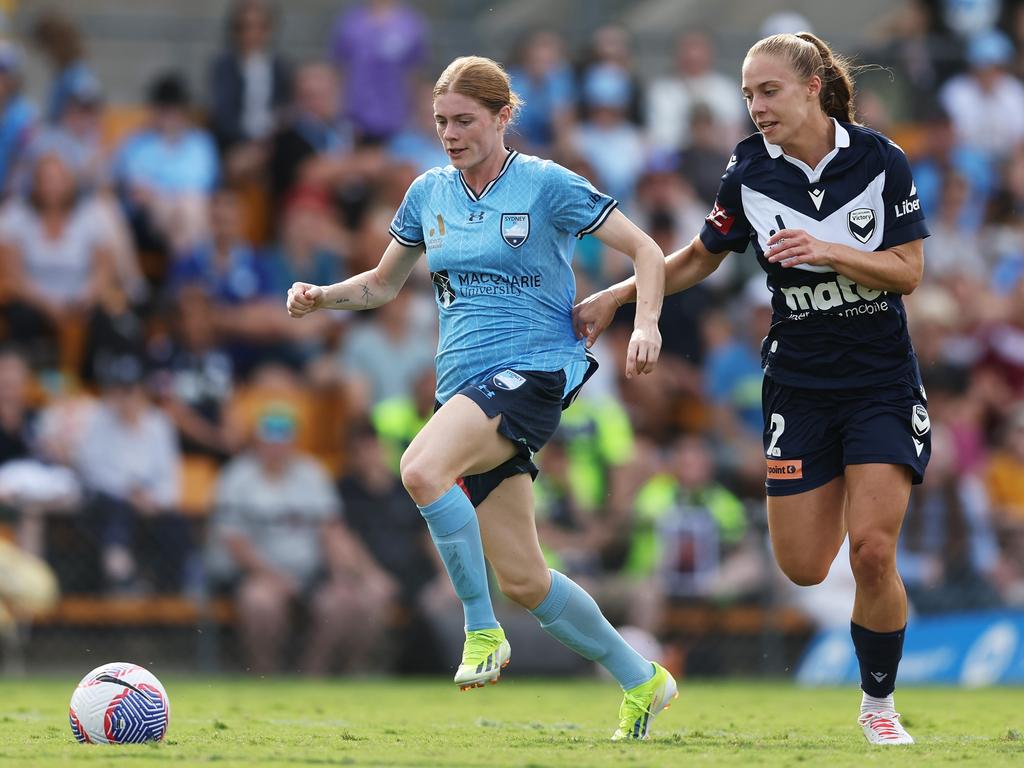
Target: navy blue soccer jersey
[(501, 264), (827, 331)]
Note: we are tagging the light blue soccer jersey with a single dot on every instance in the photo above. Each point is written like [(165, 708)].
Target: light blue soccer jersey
[(501, 265)]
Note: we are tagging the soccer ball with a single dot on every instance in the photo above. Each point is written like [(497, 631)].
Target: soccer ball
[(119, 703)]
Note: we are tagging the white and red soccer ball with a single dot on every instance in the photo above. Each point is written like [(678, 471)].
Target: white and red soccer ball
[(119, 703)]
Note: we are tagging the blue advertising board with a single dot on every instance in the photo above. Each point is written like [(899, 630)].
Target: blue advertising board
[(971, 649)]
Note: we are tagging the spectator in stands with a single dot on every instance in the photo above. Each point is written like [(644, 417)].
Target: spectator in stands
[(732, 378), (586, 502), (672, 99), (311, 133), (954, 248), (18, 114), (378, 47), (17, 417), (702, 161), (279, 538), (611, 45), (943, 154), (129, 462), (987, 89), (381, 358), (1002, 352), (167, 171), (398, 420), (416, 143), (1004, 479), (193, 378), (237, 277), (544, 81), (60, 41), (76, 138), (690, 531), (312, 243), (249, 84), (57, 260), (948, 555), (607, 140), (1005, 473), (380, 512), (29, 488), (920, 54)]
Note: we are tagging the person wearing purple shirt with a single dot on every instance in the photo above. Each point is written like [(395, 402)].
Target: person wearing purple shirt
[(377, 46)]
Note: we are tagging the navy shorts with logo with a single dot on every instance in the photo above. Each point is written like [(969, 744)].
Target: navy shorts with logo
[(811, 435), (530, 404)]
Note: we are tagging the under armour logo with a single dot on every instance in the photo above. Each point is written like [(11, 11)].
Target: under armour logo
[(475, 217), (879, 676)]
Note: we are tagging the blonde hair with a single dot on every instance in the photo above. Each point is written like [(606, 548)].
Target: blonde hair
[(479, 78), (809, 55)]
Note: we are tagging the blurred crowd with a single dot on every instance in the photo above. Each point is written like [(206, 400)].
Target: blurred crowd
[(165, 428)]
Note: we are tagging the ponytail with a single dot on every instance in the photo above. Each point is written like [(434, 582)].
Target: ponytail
[(809, 55)]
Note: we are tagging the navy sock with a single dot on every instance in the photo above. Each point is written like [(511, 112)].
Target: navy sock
[(879, 654)]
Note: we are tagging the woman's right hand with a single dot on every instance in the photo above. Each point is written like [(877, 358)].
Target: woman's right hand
[(593, 315), (304, 298)]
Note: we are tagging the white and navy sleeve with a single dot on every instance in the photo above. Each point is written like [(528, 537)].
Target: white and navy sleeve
[(904, 219), (726, 228), (407, 225)]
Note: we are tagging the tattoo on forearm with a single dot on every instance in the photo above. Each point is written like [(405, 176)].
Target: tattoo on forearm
[(342, 300), (367, 294)]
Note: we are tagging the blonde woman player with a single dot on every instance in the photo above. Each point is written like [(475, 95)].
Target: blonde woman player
[(833, 216)]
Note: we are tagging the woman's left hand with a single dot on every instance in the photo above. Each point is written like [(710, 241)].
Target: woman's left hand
[(643, 351), (789, 247)]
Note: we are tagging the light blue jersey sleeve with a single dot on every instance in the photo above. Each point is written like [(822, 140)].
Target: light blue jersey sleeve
[(407, 226), (575, 205)]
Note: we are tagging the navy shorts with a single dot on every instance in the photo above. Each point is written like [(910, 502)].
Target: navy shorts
[(811, 435), (530, 404)]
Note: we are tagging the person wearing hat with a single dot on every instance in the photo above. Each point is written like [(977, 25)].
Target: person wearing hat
[(279, 539), (986, 103)]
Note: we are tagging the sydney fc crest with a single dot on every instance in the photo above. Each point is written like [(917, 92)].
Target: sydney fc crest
[(862, 223), (515, 228)]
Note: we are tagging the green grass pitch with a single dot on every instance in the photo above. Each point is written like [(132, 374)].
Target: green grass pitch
[(233, 722)]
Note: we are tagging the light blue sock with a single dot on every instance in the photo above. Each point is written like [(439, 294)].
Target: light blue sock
[(456, 534), (572, 617)]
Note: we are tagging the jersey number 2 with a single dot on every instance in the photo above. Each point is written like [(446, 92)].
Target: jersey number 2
[(777, 428)]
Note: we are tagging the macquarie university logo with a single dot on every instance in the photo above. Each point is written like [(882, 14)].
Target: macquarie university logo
[(443, 288), (862, 223), (515, 228)]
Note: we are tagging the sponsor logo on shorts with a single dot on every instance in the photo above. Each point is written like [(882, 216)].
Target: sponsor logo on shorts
[(508, 380), (785, 469)]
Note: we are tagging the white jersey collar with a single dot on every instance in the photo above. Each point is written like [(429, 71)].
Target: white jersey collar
[(813, 174)]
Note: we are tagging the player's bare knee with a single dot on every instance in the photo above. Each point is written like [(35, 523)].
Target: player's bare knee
[(421, 479), (804, 573), (872, 560)]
